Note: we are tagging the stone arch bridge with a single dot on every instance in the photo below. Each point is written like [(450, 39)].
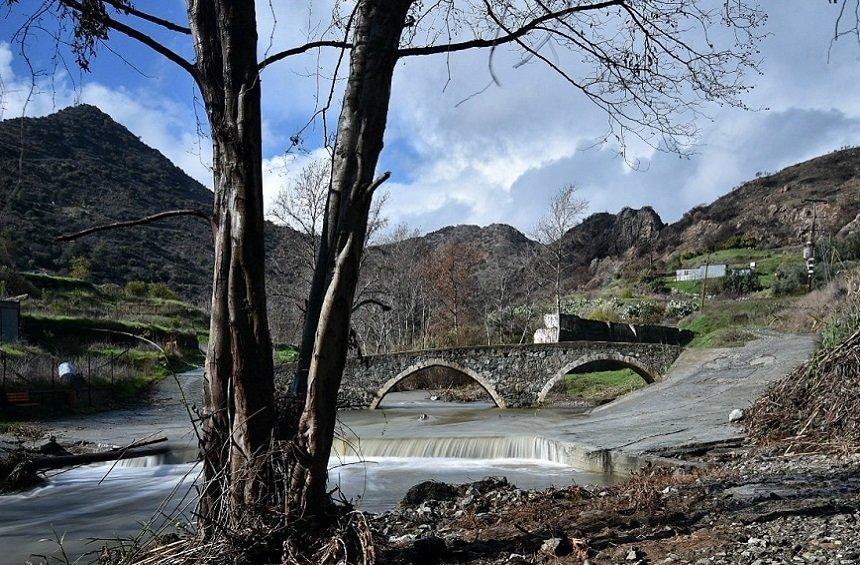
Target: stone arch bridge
[(513, 375)]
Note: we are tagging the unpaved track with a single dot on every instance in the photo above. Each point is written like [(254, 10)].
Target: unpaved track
[(162, 414)]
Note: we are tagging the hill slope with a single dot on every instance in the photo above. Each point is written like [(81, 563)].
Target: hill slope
[(78, 168), (772, 209)]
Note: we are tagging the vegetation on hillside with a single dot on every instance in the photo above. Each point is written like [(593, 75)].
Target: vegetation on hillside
[(120, 340)]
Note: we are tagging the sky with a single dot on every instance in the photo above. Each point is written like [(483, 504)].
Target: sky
[(497, 156)]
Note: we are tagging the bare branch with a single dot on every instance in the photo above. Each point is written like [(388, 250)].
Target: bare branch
[(302, 49), (138, 36), (131, 10), (371, 302), (140, 221), (511, 36), (378, 182)]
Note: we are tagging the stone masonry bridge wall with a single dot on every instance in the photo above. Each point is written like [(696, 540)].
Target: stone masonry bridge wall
[(513, 375)]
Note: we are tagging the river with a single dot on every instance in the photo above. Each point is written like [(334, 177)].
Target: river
[(379, 455)]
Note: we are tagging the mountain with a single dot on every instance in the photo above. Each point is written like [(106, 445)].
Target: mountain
[(79, 168), (774, 209)]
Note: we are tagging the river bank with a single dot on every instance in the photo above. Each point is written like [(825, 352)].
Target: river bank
[(745, 507)]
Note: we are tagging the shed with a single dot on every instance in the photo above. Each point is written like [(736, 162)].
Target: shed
[(10, 320)]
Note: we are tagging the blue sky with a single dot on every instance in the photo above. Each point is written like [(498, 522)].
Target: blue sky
[(497, 157)]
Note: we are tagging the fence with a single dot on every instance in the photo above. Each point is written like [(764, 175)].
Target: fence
[(32, 383)]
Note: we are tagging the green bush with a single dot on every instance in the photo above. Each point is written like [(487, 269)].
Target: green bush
[(161, 290), (739, 282), (135, 288), (739, 241), (843, 326), (605, 312), (645, 312), (654, 282), (681, 308), (789, 279), (80, 268)]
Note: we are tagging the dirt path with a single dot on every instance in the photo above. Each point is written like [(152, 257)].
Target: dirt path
[(163, 414)]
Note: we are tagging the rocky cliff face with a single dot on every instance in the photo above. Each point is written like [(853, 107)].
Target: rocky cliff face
[(613, 235), (775, 209)]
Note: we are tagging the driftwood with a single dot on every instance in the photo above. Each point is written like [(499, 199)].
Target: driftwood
[(56, 462), (20, 469)]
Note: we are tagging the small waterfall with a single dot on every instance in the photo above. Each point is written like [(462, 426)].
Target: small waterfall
[(486, 448), (516, 447)]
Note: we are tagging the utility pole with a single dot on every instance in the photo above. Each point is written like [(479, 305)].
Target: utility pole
[(809, 249)]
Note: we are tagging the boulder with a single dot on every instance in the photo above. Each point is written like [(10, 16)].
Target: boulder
[(428, 490)]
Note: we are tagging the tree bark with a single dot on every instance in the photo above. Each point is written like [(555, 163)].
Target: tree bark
[(361, 127), (239, 382)]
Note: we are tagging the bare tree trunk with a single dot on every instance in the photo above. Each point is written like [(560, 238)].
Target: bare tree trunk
[(378, 26), (239, 385)]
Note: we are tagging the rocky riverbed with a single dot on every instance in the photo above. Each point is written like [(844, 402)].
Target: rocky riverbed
[(738, 507)]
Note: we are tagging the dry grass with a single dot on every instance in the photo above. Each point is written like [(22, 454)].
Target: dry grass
[(813, 311), (816, 408)]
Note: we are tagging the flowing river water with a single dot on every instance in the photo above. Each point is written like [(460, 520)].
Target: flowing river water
[(379, 455)]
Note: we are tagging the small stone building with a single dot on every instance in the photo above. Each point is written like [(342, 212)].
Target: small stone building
[(10, 320)]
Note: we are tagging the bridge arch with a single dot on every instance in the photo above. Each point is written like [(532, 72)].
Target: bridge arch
[(649, 375), (478, 378)]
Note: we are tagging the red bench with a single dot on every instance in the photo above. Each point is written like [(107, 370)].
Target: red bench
[(20, 399)]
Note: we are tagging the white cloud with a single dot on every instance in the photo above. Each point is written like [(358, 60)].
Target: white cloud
[(498, 155)]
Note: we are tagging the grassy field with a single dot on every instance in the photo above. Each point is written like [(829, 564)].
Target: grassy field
[(726, 322), (122, 340), (767, 263), (601, 386)]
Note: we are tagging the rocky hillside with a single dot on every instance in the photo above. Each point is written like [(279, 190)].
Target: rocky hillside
[(773, 209), (78, 168)]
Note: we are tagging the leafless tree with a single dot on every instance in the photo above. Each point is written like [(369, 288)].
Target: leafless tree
[(451, 271), (300, 204), (565, 212)]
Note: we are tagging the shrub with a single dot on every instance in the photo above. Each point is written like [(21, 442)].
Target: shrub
[(654, 282), (789, 279), (739, 241), (110, 289), (645, 312), (605, 312), (135, 288), (681, 308), (741, 282), (80, 268), (161, 290)]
